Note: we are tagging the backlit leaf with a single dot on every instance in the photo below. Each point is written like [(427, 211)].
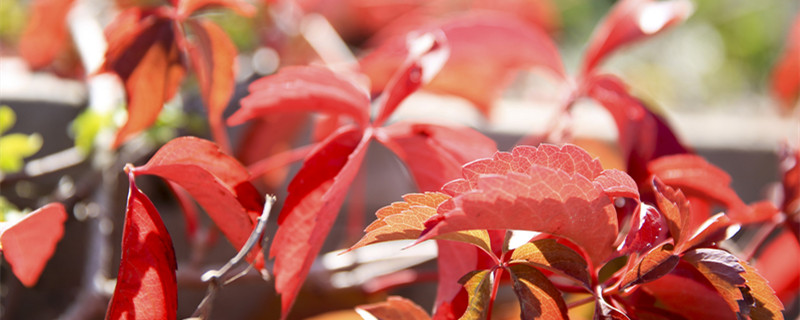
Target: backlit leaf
[(675, 208), (478, 285), (723, 270), (218, 182), (315, 196), (46, 32), (395, 308), (146, 284), (786, 72), (143, 53), (767, 305), (434, 154), (303, 89), (648, 229), (29, 243), (630, 21), (687, 292), (652, 265), (538, 297), (779, 263), (545, 190), (549, 254)]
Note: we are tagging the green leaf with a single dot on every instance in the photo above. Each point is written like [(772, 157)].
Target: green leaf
[(538, 297), (549, 254), (478, 284), (7, 118), (86, 126), (16, 146)]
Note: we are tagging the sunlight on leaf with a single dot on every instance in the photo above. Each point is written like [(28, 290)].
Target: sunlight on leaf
[(538, 297), (478, 284), (549, 254)]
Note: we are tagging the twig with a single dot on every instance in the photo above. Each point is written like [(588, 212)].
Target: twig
[(226, 275)]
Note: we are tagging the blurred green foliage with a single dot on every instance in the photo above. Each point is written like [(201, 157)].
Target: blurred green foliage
[(15, 147)]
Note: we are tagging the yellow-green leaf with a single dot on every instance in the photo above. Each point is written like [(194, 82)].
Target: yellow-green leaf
[(549, 254), (478, 284)]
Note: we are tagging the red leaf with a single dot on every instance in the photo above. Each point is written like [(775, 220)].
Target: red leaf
[(315, 196), (648, 228), (546, 189), (143, 53), (685, 291), (45, 34), (455, 259), (268, 137), (630, 21), (786, 72), (549, 254), (395, 308), (188, 7), (790, 178), (215, 180), (538, 297), (724, 272), (303, 89), (651, 266), (213, 58), (146, 285), (434, 154), (767, 305), (28, 243), (485, 37), (643, 135), (675, 208), (698, 178), (779, 263)]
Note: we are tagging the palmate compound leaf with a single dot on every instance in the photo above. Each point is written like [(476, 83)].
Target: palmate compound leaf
[(315, 196), (549, 254), (538, 297), (218, 182), (146, 284), (394, 308), (630, 21), (142, 51), (478, 285), (546, 189), (405, 221), (743, 289), (29, 243)]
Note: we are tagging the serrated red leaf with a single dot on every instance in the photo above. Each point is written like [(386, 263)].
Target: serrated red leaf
[(686, 291), (45, 34), (433, 153), (473, 37), (675, 208), (549, 254), (538, 297), (315, 196), (395, 308), (143, 53), (218, 182), (146, 284), (29, 243), (643, 135), (303, 89), (696, 177), (786, 72), (767, 305), (213, 58), (724, 272), (241, 7), (630, 21), (544, 189)]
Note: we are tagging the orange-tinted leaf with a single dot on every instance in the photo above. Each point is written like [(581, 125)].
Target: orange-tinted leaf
[(28, 243), (315, 196), (303, 89), (630, 21), (675, 208), (652, 265), (786, 72), (548, 189), (643, 135), (503, 43), (146, 285), (395, 308), (143, 53), (218, 182), (478, 285), (723, 270), (45, 34), (455, 259), (687, 292), (188, 7), (549, 254), (698, 178), (405, 221), (767, 305), (213, 58), (538, 297), (434, 154)]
